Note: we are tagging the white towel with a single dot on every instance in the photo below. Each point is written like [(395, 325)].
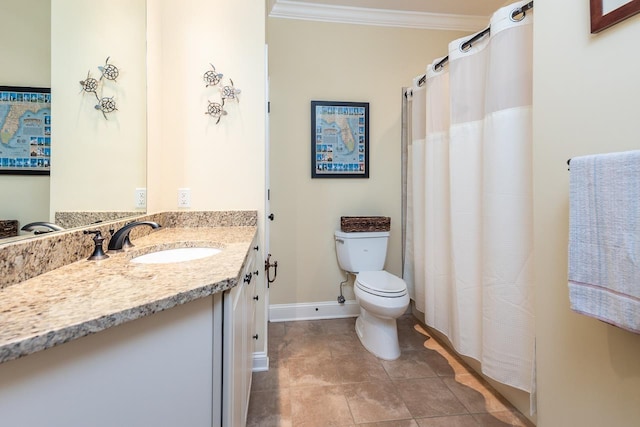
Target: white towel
[(604, 238)]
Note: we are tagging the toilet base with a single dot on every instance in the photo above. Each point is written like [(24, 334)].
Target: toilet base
[(379, 336)]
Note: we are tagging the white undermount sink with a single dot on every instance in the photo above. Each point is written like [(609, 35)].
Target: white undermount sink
[(175, 255)]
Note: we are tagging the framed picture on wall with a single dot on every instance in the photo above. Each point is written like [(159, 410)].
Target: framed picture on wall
[(25, 130), (605, 13), (339, 139)]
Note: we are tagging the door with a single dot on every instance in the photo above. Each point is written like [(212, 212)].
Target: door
[(271, 266)]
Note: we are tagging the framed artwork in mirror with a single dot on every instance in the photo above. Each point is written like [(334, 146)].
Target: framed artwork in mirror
[(605, 13), (339, 139), (25, 130)]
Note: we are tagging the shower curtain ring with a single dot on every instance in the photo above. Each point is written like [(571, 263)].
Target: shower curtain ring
[(520, 13)]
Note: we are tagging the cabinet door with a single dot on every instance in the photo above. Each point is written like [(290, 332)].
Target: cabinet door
[(234, 348), (239, 345), (153, 371), (240, 352), (251, 337), (249, 324)]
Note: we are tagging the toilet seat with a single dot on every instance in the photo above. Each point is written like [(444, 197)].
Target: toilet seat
[(381, 283)]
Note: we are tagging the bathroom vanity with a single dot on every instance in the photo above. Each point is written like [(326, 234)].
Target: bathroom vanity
[(113, 342)]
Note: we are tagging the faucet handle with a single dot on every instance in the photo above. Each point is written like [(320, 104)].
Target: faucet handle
[(98, 252)]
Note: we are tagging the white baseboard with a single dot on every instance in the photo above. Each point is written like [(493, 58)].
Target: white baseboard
[(260, 361), (313, 311)]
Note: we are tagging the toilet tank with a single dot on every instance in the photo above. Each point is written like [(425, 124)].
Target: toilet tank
[(361, 251)]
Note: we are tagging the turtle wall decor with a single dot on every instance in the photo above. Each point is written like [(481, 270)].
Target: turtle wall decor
[(91, 85), (230, 92), (109, 71), (106, 105), (226, 91), (216, 110), (212, 77)]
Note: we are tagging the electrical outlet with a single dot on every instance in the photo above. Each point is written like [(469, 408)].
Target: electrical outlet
[(184, 197), (141, 197)]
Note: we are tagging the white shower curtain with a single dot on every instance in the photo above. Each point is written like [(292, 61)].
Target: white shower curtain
[(469, 209)]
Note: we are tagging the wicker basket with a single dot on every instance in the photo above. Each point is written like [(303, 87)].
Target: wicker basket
[(8, 228), (365, 223)]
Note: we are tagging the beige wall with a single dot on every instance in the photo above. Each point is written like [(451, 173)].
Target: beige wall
[(222, 164), (586, 100), (96, 164), (335, 62), (24, 37), (25, 47)]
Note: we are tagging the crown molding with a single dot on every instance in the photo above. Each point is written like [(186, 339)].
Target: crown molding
[(292, 9)]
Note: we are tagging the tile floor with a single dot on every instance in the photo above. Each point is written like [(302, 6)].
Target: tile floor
[(320, 375)]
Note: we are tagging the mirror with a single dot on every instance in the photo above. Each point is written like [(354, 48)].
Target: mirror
[(98, 161)]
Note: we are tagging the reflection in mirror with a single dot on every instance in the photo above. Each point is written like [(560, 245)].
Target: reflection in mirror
[(98, 165), (26, 52)]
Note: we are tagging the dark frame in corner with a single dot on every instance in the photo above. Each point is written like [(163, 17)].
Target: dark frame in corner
[(25, 130), (339, 139), (601, 21)]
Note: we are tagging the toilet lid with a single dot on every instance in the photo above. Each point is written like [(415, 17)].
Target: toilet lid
[(381, 283)]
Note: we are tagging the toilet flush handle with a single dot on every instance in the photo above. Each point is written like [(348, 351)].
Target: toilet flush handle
[(339, 240)]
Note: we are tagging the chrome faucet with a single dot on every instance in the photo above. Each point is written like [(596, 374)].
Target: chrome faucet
[(120, 239), (33, 226)]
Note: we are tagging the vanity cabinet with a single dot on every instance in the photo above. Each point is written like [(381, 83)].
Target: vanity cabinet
[(240, 336), (160, 370), (189, 365)]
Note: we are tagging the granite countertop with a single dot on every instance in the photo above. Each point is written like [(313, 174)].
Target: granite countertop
[(85, 297)]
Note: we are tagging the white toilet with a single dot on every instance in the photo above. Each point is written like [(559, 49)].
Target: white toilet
[(382, 296)]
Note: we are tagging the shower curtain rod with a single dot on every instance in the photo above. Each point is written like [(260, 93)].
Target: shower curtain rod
[(469, 43)]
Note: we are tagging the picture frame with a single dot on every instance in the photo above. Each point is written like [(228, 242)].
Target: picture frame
[(339, 139), (25, 130), (605, 13)]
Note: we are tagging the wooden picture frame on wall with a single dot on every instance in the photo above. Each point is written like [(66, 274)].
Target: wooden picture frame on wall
[(605, 13)]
